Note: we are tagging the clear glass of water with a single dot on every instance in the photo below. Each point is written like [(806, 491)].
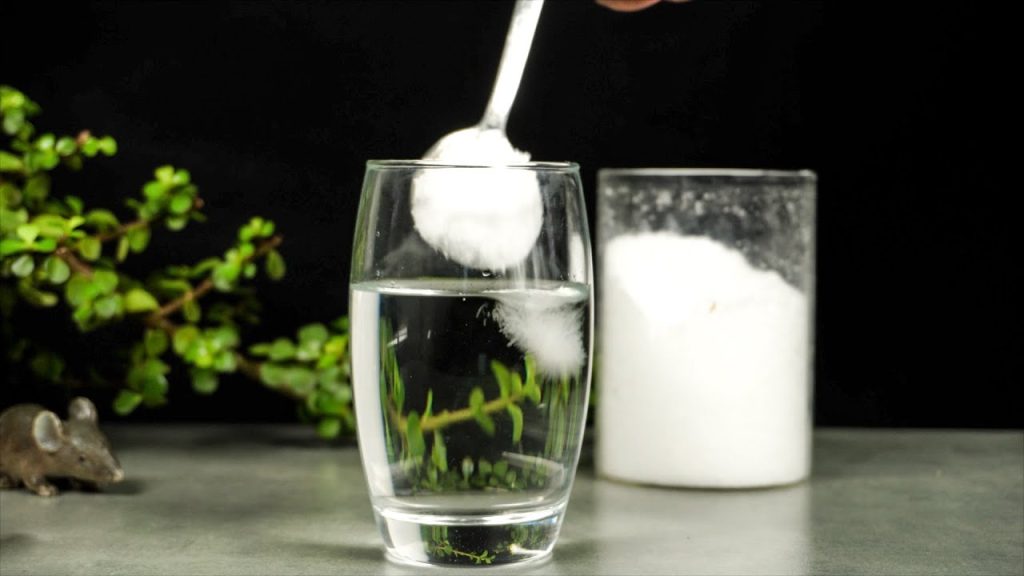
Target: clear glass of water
[(471, 316)]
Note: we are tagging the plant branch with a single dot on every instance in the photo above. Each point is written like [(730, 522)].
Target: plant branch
[(69, 258), (447, 418), (124, 229), (139, 223), (206, 285), (250, 368)]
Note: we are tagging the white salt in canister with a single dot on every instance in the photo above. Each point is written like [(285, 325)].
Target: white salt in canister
[(704, 364)]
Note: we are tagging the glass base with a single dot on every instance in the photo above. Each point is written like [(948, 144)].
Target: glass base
[(477, 540)]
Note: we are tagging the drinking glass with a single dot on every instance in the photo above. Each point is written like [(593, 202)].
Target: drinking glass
[(471, 291)]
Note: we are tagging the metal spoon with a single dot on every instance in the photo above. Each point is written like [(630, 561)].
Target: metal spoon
[(491, 129)]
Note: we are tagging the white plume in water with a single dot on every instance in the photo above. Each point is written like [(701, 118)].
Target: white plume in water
[(546, 326)]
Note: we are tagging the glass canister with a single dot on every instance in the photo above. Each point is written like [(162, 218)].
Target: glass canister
[(705, 326)]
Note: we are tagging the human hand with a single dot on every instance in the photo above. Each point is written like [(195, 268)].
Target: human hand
[(631, 5)]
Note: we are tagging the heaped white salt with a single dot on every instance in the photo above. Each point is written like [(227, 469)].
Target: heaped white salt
[(704, 366), (487, 217)]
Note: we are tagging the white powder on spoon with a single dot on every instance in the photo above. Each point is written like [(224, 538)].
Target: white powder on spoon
[(703, 365), (487, 217)]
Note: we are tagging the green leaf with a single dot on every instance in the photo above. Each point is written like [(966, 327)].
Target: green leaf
[(107, 307), (282, 349), (149, 378), (224, 337), (154, 190), (191, 311), (274, 265), (23, 266), (65, 146), (180, 203), (336, 345), (484, 467), (261, 349), (165, 174), (517, 384), (50, 225), (138, 239), (34, 296), (316, 333), (414, 435), (9, 162), (28, 233), (328, 428), (90, 147), (501, 374), (80, 290), (267, 229), (204, 381), (82, 315), (57, 271), (45, 245), (532, 392), (138, 300), (176, 223), (273, 375), (516, 413), (485, 421), (181, 177), (500, 468), (10, 246), (75, 204), (13, 121), (476, 400), (155, 342), (123, 245), (102, 219), (224, 361), (301, 380), (47, 366), (439, 455), (225, 275), (105, 280), (108, 146), (183, 338), (126, 402), (90, 248), (46, 141), (430, 404)]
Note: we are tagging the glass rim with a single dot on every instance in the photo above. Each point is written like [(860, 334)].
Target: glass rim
[(723, 172), (421, 164)]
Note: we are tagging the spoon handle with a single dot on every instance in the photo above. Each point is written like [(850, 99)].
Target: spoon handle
[(513, 60)]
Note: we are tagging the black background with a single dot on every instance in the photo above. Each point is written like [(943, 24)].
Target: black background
[(275, 107)]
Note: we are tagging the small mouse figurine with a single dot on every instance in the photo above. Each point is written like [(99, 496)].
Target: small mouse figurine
[(34, 444)]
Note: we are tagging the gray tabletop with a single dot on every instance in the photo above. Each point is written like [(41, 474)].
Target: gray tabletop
[(274, 500)]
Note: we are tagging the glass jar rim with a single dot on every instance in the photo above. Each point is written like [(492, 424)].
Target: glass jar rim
[(718, 172), (429, 164)]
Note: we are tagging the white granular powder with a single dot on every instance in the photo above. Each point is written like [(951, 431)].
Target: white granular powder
[(487, 218), (703, 367)]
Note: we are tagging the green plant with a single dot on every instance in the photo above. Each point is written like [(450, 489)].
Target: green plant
[(58, 253)]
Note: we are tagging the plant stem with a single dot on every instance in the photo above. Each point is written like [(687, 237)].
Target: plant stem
[(69, 258), (250, 368), (447, 418), (140, 223), (206, 285), (124, 229)]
